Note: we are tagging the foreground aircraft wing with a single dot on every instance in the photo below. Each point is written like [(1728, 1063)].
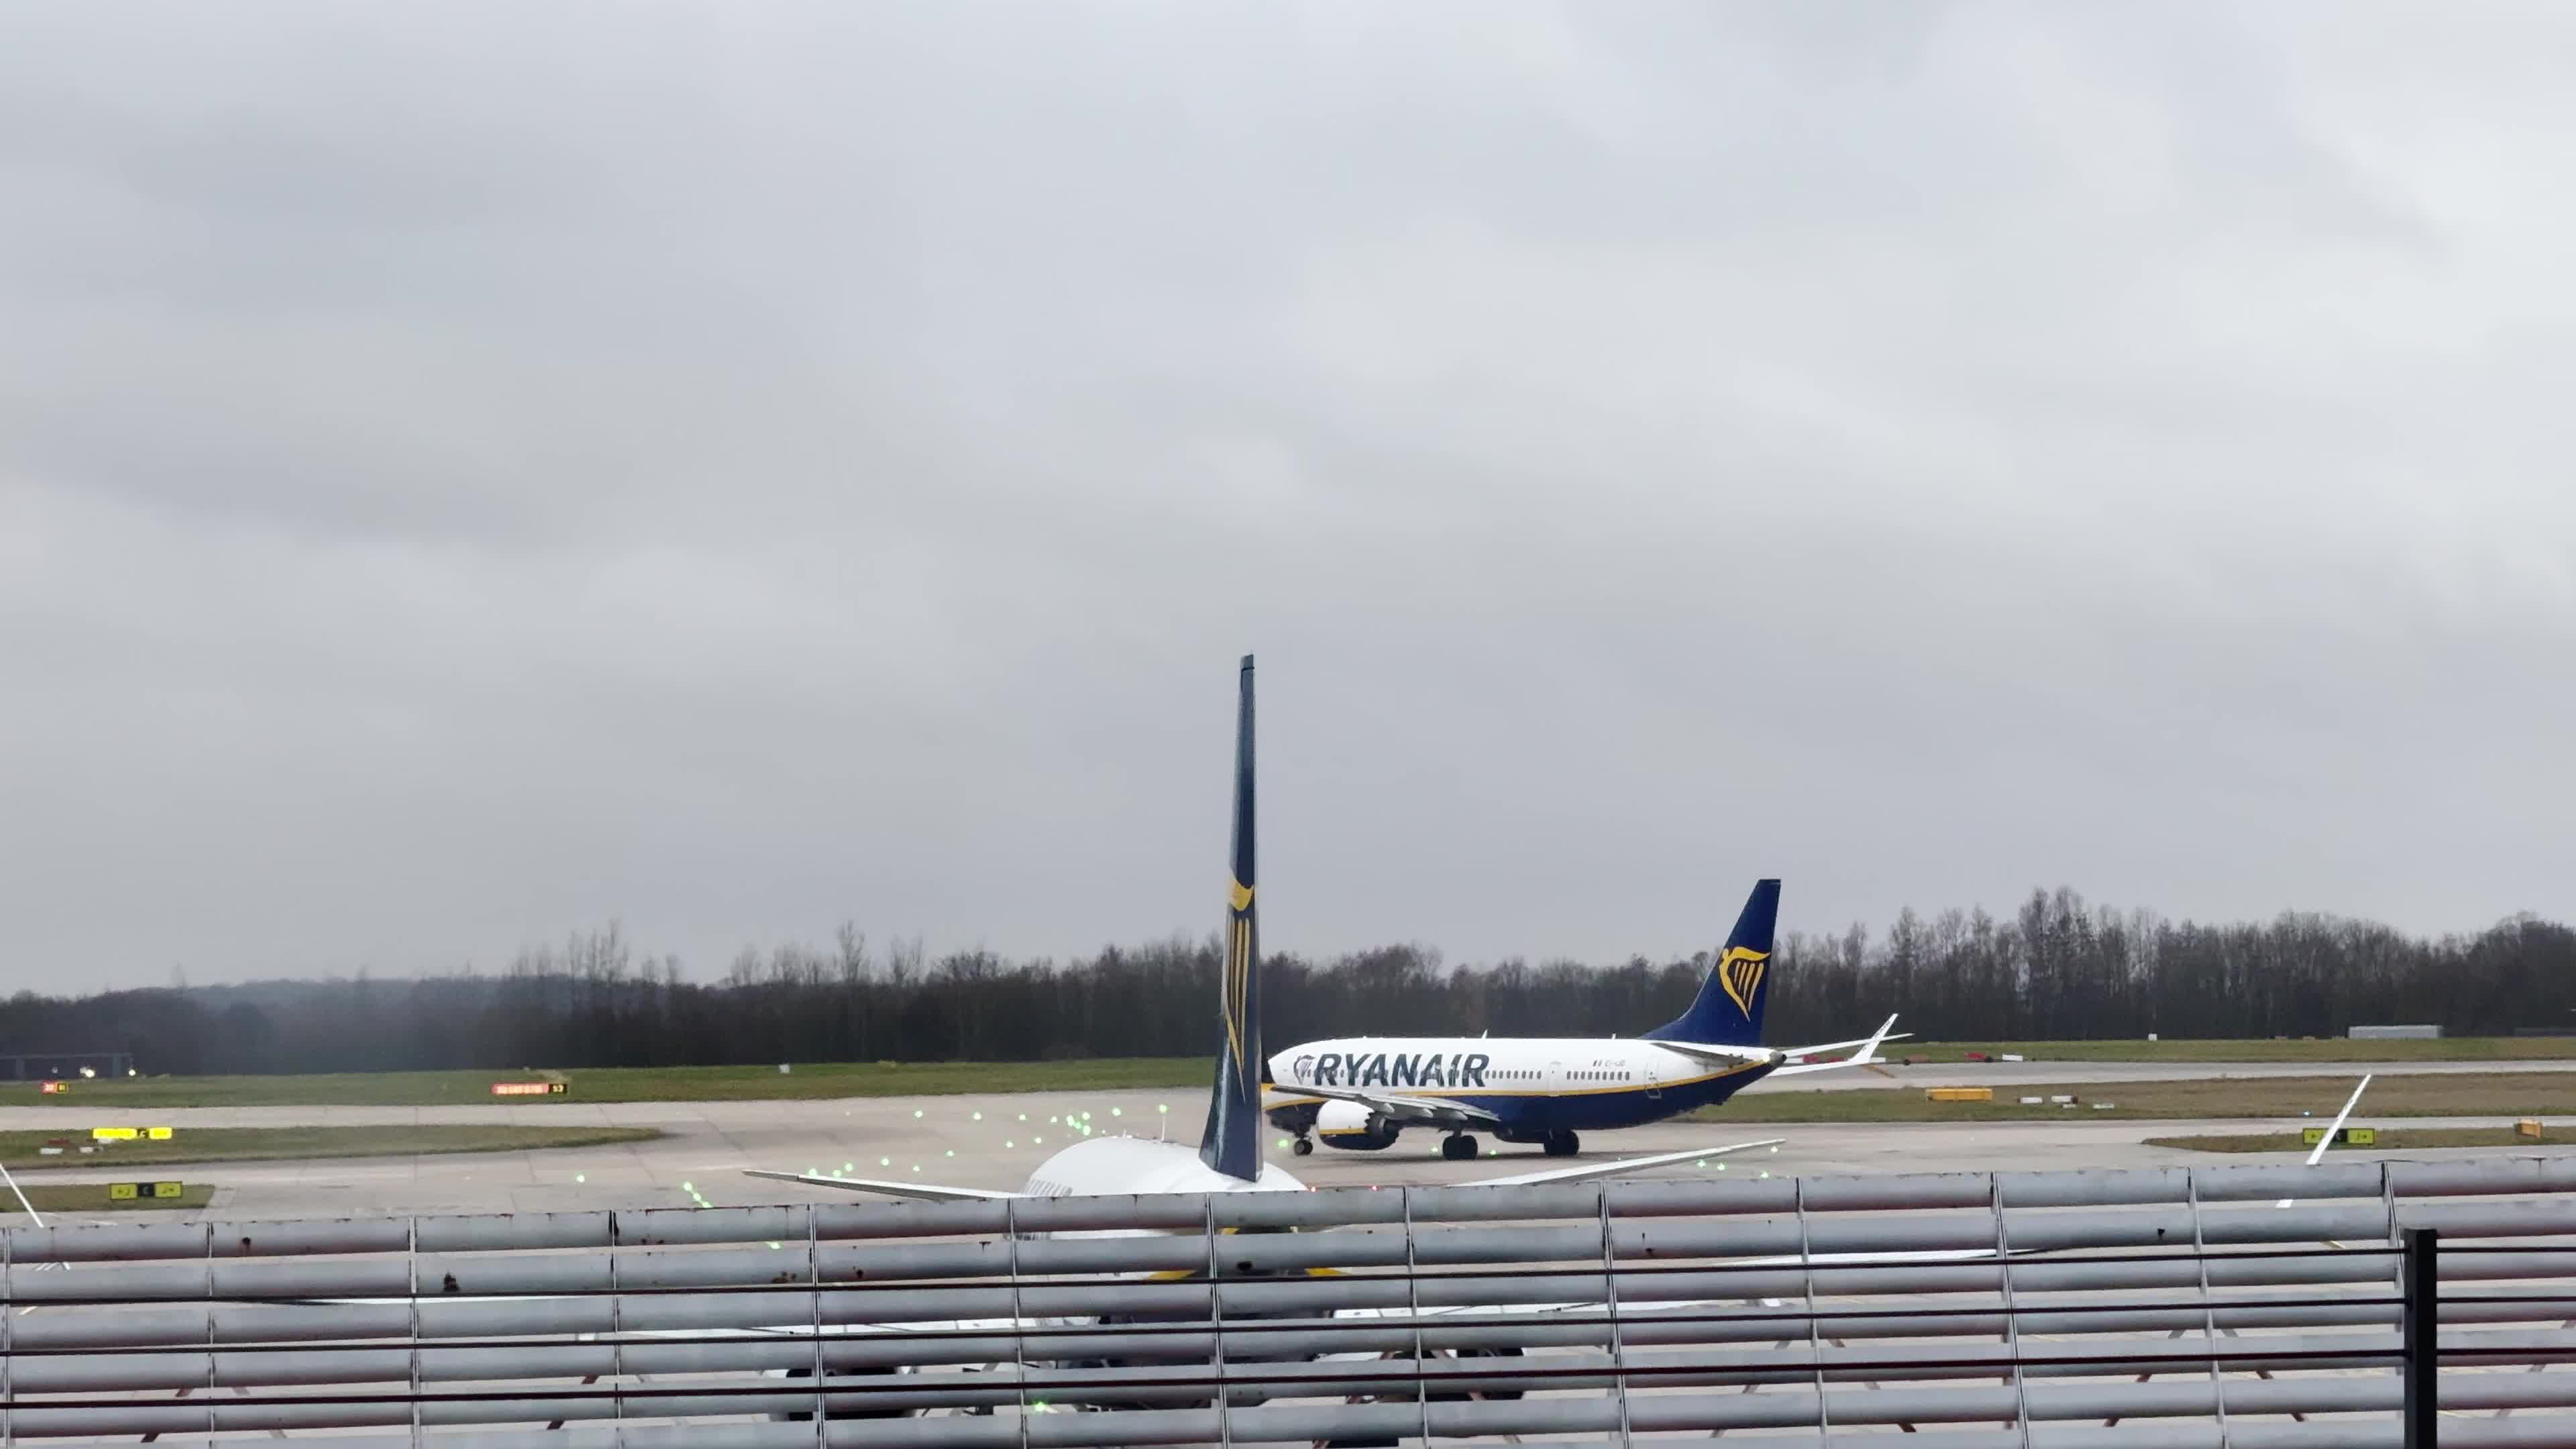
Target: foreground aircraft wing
[(925, 1191), (2348, 1104), (1396, 1108), (1866, 1056), (2329, 1139), (1624, 1165)]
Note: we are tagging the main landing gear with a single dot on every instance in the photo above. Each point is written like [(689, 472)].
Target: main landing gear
[(1457, 1147), (1562, 1143)]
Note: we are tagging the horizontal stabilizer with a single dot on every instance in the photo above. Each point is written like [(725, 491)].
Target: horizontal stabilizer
[(1715, 1054), (921, 1191)]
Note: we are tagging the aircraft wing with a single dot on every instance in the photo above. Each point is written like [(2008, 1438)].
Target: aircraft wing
[(1591, 1170), (1866, 1056), (924, 1191), (1395, 1108), (1715, 1054)]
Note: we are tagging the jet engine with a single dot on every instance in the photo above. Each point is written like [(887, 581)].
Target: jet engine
[(1354, 1128)]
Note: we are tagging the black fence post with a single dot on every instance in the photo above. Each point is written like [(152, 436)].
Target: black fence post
[(2420, 1323)]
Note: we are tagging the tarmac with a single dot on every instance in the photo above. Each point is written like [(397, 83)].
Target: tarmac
[(994, 1141)]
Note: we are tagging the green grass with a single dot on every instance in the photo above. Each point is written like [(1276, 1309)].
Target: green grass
[(2444, 1094), (2304, 1049), (278, 1144), (91, 1197), (626, 1084), (2398, 1139)]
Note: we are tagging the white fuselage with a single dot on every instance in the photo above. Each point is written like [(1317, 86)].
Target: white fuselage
[(1494, 1066), (1528, 1084), (1118, 1166)]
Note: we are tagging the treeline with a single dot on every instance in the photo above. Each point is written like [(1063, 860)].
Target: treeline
[(2056, 969)]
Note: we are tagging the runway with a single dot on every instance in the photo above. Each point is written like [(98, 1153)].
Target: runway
[(944, 1139)]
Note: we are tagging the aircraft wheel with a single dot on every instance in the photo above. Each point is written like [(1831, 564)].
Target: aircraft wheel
[(1303, 1147), (1457, 1147), (1563, 1143)]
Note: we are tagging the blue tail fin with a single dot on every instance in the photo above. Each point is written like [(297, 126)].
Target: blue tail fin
[(1728, 1011), (1232, 1142)]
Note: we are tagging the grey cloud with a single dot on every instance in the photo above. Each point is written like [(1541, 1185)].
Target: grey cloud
[(468, 472)]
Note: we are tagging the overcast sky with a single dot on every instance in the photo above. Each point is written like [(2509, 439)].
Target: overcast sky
[(469, 472)]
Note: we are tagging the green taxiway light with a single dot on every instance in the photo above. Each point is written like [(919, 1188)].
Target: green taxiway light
[(1162, 1106), (688, 1187), (1037, 1142), (1008, 1145), (885, 1162), (1117, 1111), (916, 1111), (979, 1116), (579, 1177), (952, 1152)]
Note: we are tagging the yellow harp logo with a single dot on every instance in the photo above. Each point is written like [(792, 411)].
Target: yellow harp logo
[(1740, 972), (1238, 980)]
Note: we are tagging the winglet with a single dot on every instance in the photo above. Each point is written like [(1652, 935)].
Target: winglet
[(1231, 1142), (1869, 1050)]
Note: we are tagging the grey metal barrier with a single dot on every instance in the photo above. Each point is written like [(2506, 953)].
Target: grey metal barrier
[(2231, 1306)]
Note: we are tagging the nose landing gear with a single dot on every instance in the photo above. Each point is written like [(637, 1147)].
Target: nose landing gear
[(1304, 1146)]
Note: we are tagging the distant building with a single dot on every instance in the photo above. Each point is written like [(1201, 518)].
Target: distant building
[(2395, 1033), (33, 1066)]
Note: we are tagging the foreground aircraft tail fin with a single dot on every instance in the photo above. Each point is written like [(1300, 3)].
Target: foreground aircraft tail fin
[(1232, 1141), (1728, 1011)]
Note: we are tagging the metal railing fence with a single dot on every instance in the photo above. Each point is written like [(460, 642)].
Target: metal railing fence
[(2241, 1306)]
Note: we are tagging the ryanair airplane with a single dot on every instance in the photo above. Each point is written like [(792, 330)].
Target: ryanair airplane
[(1228, 1157), (1361, 1093)]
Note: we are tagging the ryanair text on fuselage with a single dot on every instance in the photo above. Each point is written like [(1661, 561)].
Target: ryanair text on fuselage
[(1393, 1069)]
